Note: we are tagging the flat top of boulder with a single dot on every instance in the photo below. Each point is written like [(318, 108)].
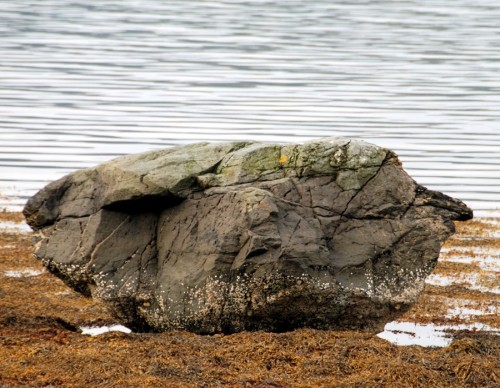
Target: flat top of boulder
[(173, 173)]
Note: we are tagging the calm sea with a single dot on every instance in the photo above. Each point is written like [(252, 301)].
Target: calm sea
[(84, 81)]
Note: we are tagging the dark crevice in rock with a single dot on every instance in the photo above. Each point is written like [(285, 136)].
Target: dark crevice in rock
[(145, 204)]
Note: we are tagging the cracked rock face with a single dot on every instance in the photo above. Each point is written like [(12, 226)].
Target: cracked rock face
[(246, 236)]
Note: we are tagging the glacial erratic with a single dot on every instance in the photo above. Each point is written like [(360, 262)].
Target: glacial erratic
[(246, 236)]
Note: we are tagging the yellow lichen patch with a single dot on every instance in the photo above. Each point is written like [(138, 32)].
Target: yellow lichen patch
[(283, 159)]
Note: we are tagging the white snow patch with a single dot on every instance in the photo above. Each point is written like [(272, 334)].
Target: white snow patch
[(487, 214), (97, 330), (471, 281), (491, 221), (23, 273), (17, 227), (489, 263), (9, 207), (441, 281), (427, 335)]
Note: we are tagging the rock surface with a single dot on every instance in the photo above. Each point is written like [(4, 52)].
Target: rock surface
[(246, 236)]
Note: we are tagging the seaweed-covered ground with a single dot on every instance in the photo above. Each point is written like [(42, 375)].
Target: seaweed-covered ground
[(41, 340)]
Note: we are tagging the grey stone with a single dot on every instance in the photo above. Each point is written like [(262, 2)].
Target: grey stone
[(246, 236)]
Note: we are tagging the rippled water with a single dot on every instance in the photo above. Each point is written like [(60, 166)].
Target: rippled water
[(84, 81)]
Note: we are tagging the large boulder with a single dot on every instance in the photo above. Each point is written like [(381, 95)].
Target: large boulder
[(246, 236)]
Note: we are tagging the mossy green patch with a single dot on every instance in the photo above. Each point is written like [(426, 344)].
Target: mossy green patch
[(249, 164)]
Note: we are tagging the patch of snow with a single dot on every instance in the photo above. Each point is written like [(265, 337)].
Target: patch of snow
[(17, 227), (491, 221), (23, 273), (470, 281), (487, 213), (441, 281), (97, 330), (408, 333), (489, 263), (10, 206), (426, 335)]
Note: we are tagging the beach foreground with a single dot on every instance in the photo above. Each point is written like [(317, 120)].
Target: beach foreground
[(42, 344)]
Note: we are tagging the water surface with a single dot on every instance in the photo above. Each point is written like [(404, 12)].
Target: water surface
[(82, 82)]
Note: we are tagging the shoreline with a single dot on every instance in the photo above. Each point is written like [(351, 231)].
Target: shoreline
[(41, 341)]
